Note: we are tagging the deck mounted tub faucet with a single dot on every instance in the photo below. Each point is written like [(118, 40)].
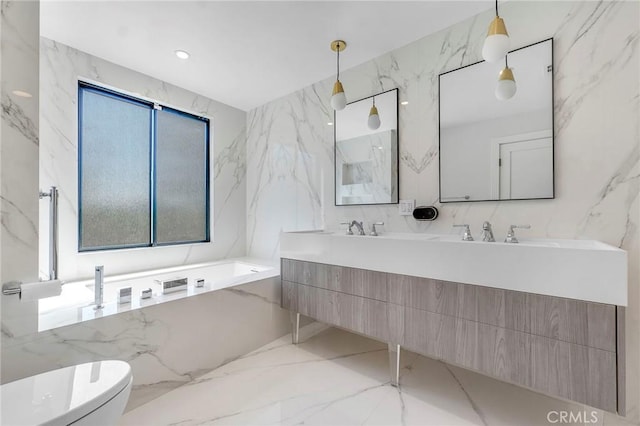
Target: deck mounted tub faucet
[(99, 287)]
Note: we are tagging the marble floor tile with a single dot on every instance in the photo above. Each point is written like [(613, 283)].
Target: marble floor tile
[(339, 378)]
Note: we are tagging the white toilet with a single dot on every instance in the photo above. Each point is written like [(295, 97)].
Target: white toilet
[(91, 394)]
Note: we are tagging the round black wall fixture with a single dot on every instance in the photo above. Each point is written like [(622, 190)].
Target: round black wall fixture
[(425, 213)]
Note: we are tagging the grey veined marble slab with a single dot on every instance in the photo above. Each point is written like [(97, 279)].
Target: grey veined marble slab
[(339, 378)]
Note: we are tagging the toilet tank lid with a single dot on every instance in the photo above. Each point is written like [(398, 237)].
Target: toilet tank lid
[(64, 395)]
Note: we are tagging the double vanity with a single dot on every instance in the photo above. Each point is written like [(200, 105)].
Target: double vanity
[(545, 314)]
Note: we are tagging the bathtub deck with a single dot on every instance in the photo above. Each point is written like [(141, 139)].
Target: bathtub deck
[(76, 303)]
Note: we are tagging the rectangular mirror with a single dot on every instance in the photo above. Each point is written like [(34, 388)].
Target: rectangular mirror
[(494, 149), (366, 159)]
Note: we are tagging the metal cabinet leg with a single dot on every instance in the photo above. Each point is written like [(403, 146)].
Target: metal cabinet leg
[(295, 327), (394, 363)]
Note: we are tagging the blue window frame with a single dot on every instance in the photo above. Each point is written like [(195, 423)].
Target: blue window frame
[(143, 173)]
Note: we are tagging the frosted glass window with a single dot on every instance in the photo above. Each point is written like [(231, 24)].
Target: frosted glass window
[(115, 159), (143, 173), (181, 178)]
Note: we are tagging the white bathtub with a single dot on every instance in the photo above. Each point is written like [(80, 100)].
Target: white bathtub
[(76, 303)]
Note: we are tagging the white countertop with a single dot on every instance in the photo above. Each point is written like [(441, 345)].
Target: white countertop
[(576, 269)]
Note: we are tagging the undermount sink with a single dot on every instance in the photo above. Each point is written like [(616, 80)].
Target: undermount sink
[(522, 242), (384, 235), (577, 269)]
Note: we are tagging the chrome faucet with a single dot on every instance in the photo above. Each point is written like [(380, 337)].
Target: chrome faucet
[(99, 287), (511, 236), (467, 232), (349, 231), (374, 231), (487, 233), (357, 225)]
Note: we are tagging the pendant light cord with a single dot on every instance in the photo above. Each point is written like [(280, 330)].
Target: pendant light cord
[(338, 63), (497, 8), (506, 61)]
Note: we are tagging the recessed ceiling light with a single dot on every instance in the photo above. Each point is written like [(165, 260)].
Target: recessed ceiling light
[(182, 54), (404, 103), (22, 94), (330, 123)]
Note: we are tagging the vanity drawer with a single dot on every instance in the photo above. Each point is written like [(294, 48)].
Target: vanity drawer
[(585, 323), (287, 272), (307, 273), (357, 282), (495, 351), (360, 314), (289, 295), (435, 296), (574, 372), (566, 370), (483, 304), (573, 321)]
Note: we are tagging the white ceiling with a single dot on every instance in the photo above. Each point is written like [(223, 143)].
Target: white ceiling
[(245, 53)]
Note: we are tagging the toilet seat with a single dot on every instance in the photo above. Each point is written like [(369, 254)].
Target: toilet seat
[(62, 396)]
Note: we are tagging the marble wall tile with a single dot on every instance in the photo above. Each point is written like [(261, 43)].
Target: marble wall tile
[(167, 345), (62, 67), (19, 150), (597, 140), (19, 34)]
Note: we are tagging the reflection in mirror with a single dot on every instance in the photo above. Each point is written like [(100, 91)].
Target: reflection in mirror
[(492, 149), (366, 160)]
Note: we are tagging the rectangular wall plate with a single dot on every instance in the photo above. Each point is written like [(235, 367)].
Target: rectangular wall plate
[(405, 207)]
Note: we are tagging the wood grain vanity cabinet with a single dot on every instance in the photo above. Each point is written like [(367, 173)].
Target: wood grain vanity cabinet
[(562, 347)]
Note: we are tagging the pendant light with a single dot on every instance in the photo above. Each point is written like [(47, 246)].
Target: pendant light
[(338, 98), (506, 87), (374, 119), (496, 45)]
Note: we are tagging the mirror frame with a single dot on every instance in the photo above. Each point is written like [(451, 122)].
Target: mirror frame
[(335, 144), (553, 132)]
